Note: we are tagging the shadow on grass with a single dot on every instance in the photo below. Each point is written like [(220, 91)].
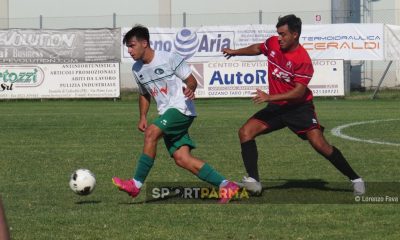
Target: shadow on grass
[(88, 202), (170, 199), (274, 191), (312, 184)]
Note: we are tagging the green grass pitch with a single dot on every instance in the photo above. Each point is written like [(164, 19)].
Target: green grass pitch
[(43, 142)]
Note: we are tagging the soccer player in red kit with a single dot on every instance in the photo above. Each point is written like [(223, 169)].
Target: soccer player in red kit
[(289, 102)]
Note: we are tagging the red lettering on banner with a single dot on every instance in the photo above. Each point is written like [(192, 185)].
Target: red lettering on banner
[(345, 45), (371, 45), (338, 45), (355, 47), (307, 44), (332, 44), (320, 46)]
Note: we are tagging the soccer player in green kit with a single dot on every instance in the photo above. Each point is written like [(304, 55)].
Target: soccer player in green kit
[(168, 79)]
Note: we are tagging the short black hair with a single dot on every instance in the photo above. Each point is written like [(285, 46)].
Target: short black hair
[(138, 31), (293, 22)]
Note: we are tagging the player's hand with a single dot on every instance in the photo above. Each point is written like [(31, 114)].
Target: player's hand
[(188, 93), (228, 53), (260, 96), (142, 125)]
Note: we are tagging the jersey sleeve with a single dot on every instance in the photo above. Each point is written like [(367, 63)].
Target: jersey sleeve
[(142, 90), (180, 67), (264, 47), (303, 73)]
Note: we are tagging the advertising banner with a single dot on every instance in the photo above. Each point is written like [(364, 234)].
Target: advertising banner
[(241, 79), (44, 46), (204, 44), (344, 41), (74, 80)]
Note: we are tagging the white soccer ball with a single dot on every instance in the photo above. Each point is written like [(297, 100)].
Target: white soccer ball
[(82, 181)]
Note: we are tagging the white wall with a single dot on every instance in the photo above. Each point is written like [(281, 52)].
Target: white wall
[(204, 12), (62, 8), (3, 13), (238, 6)]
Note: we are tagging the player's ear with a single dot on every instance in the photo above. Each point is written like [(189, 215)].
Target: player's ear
[(296, 35), (145, 43)]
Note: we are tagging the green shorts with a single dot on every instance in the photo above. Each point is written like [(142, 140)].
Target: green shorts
[(175, 126)]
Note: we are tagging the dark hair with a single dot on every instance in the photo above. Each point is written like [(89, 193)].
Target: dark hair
[(293, 22), (138, 31)]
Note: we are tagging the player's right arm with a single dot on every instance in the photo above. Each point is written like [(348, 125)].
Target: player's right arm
[(248, 51), (144, 105)]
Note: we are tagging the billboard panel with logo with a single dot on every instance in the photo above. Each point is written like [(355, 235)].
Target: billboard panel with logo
[(45, 46), (77, 80), (241, 79), (204, 44)]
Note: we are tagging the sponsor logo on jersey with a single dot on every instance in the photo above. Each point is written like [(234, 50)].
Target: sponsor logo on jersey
[(289, 64), (158, 71), (314, 121), (278, 74)]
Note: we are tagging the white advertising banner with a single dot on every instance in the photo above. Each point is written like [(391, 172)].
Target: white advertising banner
[(230, 79), (328, 78), (75, 80), (241, 79), (344, 41), (204, 44)]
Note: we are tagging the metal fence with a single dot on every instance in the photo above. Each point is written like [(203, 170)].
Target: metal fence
[(389, 16)]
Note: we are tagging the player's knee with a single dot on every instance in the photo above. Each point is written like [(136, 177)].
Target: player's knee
[(150, 135), (181, 160), (244, 133)]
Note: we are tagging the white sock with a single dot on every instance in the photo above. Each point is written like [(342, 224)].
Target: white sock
[(249, 179), (223, 183), (357, 180), (138, 184)]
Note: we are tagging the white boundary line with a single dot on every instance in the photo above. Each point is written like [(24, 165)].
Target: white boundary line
[(337, 132)]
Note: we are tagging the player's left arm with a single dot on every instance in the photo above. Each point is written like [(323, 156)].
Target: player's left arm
[(191, 85), (182, 70), (296, 93)]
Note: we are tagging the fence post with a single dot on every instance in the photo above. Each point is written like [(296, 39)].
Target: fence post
[(40, 21), (114, 20), (382, 78), (184, 19), (260, 17)]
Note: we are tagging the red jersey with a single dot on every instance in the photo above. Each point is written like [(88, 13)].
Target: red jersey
[(287, 68)]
